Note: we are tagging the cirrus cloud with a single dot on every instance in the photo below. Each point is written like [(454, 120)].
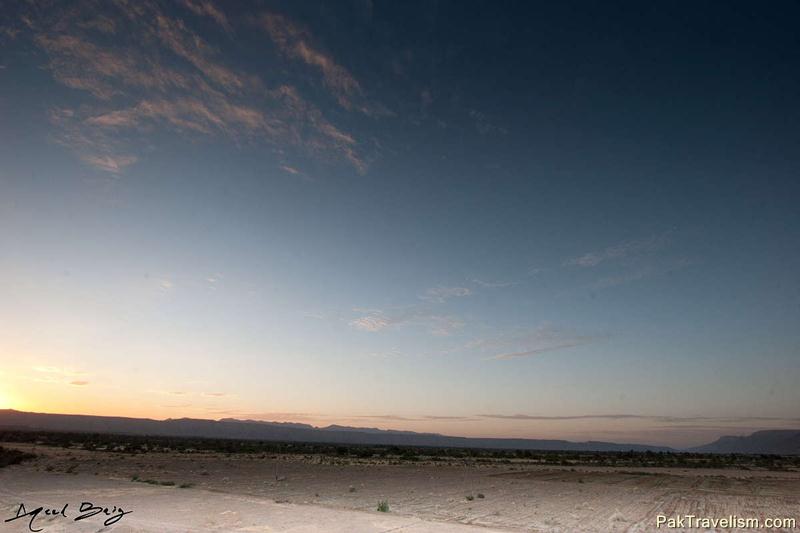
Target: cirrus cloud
[(442, 294), (168, 78)]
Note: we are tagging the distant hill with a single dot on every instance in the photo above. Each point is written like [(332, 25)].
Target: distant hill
[(282, 424), (778, 442), (335, 427), (277, 431)]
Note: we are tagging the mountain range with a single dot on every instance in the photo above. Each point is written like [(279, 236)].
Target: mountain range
[(784, 442), (778, 442)]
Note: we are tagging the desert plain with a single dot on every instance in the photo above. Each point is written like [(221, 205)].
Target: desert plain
[(211, 491)]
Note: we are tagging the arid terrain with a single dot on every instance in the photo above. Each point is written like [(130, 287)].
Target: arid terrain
[(219, 491)]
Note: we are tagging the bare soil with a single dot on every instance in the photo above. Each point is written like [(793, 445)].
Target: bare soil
[(515, 497)]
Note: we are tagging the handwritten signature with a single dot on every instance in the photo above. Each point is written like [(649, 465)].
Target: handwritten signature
[(86, 510)]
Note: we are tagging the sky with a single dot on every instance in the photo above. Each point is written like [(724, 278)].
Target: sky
[(566, 220)]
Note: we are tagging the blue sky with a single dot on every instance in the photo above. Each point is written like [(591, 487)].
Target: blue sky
[(567, 221)]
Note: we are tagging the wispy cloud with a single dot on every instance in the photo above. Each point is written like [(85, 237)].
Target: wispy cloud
[(179, 392), (453, 418), (166, 77), (436, 324), (424, 314), (103, 71), (62, 375), (396, 418), (176, 36), (102, 24), (631, 261), (494, 284), (386, 354), (621, 250), (300, 115), (296, 42), (187, 114), (290, 170), (92, 146), (654, 418), (293, 171), (485, 125), (643, 272), (442, 294), (58, 370), (539, 340), (570, 417), (206, 8), (544, 349), (373, 322), (442, 325), (110, 163)]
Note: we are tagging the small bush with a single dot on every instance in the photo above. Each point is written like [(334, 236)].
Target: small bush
[(383, 506), (10, 457), (168, 483), (481, 496), (186, 485), (352, 489), (470, 497)]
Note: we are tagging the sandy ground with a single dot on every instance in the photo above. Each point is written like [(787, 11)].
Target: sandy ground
[(161, 509), (308, 493)]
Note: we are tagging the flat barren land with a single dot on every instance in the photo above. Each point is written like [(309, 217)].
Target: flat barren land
[(211, 491)]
